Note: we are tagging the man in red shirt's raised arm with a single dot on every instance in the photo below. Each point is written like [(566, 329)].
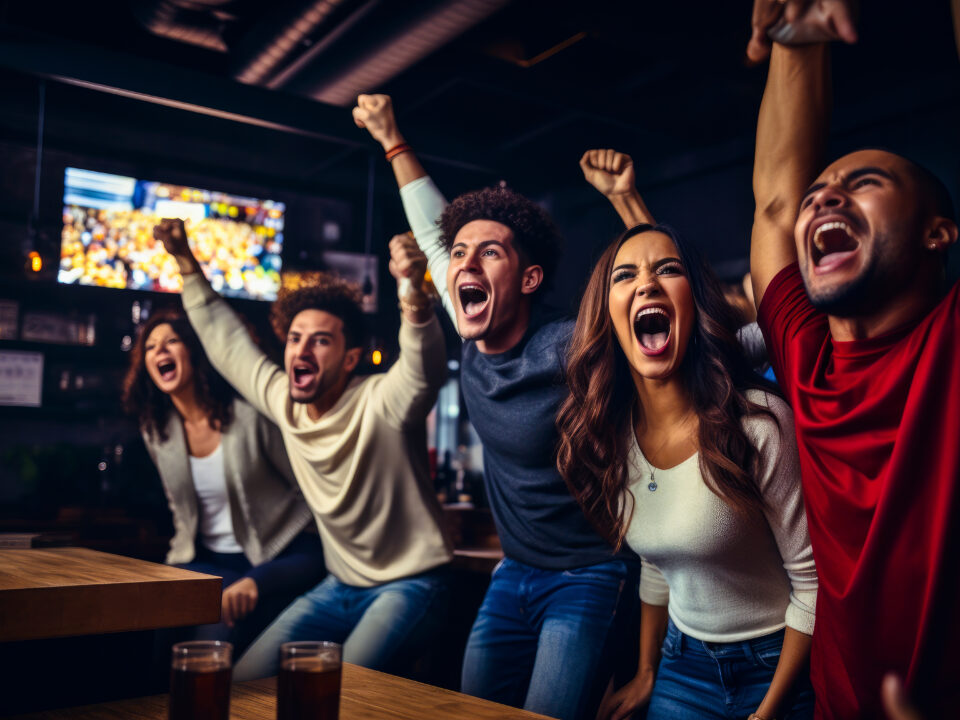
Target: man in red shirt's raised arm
[(849, 276)]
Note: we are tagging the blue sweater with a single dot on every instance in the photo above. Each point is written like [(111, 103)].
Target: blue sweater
[(513, 398)]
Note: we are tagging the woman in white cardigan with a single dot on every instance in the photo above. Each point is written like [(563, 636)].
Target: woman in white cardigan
[(237, 510), (672, 445)]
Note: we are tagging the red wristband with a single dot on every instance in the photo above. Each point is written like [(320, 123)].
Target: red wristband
[(396, 150)]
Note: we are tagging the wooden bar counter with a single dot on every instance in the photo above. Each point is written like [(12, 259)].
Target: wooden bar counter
[(364, 695), (62, 592)]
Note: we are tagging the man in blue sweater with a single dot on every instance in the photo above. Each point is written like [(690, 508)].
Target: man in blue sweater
[(545, 636)]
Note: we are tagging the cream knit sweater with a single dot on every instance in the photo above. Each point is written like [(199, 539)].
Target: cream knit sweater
[(362, 466)]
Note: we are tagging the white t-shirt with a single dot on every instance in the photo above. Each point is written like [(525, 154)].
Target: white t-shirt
[(725, 577), (210, 482)]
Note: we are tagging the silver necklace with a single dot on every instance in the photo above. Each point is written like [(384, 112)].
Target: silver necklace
[(652, 485)]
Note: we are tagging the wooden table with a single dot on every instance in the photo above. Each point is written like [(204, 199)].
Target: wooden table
[(364, 695), (61, 592)]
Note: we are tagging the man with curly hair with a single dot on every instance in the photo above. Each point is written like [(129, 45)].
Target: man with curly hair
[(358, 449), (548, 630)]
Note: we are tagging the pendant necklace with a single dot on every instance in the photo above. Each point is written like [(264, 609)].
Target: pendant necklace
[(652, 485)]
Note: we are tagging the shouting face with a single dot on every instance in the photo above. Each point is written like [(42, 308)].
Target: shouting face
[(167, 360), (651, 305), (489, 284), (860, 233), (315, 356)]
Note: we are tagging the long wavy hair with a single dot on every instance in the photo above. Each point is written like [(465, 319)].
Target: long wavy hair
[(595, 419), (151, 406)]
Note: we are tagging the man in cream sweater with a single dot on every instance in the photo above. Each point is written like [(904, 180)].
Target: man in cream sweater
[(358, 449)]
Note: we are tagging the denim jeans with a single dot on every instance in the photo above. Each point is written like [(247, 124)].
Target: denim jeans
[(382, 627), (698, 679), (541, 637)]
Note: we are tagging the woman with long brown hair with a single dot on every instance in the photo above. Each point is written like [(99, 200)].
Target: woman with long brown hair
[(237, 509), (673, 446)]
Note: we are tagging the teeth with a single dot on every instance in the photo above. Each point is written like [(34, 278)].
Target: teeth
[(650, 311), (828, 226)]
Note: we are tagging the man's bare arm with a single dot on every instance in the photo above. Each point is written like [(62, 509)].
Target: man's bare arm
[(791, 133)]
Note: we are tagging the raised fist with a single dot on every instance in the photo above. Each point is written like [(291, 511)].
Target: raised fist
[(609, 171), (172, 234), (799, 22), (375, 113), (407, 261)]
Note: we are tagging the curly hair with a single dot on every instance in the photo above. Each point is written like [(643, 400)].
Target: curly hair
[(320, 291), (151, 406), (534, 233), (594, 421)]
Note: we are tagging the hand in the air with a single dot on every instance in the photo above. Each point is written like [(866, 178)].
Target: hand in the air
[(172, 234), (375, 113), (799, 22), (407, 261), (609, 171)]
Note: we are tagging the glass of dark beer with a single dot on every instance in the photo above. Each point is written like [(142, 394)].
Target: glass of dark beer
[(200, 680), (309, 682)]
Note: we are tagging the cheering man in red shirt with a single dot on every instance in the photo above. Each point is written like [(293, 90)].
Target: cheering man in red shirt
[(849, 276)]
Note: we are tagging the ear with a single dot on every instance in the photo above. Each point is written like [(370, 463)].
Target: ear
[(351, 359), (941, 234), (531, 279)]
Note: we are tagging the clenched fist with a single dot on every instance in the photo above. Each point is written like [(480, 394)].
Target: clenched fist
[(799, 22), (407, 261), (609, 171), (375, 113), (173, 235)]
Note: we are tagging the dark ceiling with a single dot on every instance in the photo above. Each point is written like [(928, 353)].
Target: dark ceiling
[(485, 89), (528, 84)]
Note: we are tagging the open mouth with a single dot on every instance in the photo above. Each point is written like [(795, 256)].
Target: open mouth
[(652, 327), (473, 299), (833, 244), (167, 369), (303, 375)]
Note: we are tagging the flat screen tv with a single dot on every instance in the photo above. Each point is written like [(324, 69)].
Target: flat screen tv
[(107, 237)]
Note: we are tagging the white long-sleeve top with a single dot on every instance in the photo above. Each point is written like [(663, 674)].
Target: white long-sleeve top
[(725, 577), (423, 203)]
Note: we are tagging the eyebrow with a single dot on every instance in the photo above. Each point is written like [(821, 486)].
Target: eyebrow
[(482, 244), (318, 333), (853, 175), (659, 263)]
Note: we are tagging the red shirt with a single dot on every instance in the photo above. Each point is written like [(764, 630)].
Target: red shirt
[(878, 427)]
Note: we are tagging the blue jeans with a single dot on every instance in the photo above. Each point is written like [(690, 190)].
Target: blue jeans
[(698, 679), (541, 637), (383, 627)]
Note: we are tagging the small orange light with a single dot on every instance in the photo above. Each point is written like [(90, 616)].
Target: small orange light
[(427, 277), (377, 357), (36, 262)]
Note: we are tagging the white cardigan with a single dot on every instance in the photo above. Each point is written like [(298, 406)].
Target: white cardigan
[(266, 505)]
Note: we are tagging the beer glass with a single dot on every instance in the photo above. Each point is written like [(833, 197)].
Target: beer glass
[(309, 682), (200, 680)]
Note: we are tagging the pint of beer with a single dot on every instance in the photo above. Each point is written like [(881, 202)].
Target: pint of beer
[(309, 682), (200, 680)]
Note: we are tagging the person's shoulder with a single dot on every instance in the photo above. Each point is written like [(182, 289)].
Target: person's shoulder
[(244, 411), (550, 325), (779, 417)]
